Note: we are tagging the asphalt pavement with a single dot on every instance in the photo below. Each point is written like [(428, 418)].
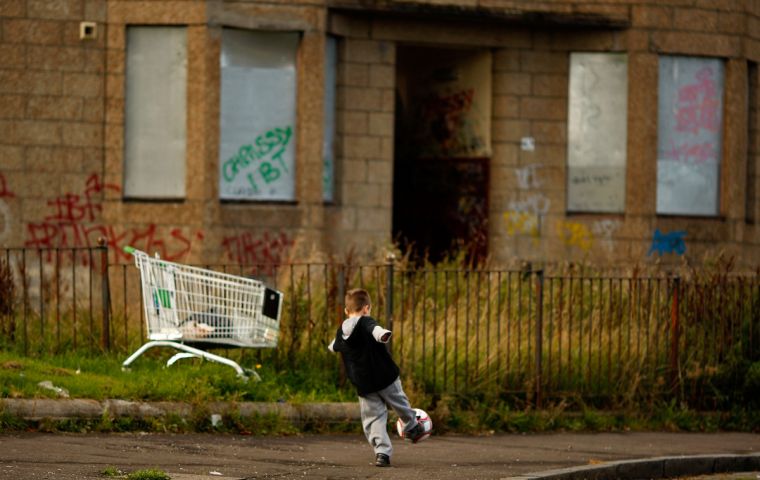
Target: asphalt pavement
[(347, 456)]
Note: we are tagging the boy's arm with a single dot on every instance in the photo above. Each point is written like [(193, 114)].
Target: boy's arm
[(332, 345), (379, 333)]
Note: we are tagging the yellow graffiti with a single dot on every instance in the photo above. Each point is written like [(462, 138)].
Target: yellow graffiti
[(521, 223), (575, 234)]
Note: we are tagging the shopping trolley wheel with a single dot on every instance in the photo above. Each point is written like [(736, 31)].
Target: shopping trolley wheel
[(250, 373)]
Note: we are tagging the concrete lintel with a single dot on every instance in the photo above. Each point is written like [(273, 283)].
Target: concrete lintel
[(479, 13)]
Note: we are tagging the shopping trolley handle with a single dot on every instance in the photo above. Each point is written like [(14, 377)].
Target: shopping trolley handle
[(135, 252)]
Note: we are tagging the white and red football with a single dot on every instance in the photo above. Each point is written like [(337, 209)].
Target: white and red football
[(423, 418)]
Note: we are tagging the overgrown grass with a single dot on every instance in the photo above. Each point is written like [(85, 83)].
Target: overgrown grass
[(201, 382), (656, 345), (100, 377)]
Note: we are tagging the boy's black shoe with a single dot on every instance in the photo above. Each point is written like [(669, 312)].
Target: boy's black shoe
[(415, 433), (382, 460)]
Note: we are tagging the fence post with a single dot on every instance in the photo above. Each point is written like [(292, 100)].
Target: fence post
[(389, 294), (339, 316), (539, 333), (674, 334), (105, 330)]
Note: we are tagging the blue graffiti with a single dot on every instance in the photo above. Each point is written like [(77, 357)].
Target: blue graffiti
[(672, 242)]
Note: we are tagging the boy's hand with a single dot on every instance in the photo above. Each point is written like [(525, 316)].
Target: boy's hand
[(385, 337)]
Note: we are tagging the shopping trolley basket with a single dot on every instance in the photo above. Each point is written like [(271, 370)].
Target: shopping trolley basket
[(192, 309)]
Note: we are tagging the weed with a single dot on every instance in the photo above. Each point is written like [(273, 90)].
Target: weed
[(148, 474), (111, 471)]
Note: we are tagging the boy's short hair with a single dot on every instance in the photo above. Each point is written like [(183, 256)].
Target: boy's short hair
[(356, 299)]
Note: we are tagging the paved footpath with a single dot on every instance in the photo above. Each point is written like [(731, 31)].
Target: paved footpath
[(447, 457)]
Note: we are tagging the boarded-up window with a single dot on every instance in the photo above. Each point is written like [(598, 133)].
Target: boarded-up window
[(597, 132), (155, 127), (328, 145), (258, 113), (689, 142), (753, 151)]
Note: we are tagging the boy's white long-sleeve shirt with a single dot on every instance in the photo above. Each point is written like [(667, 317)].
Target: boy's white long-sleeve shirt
[(350, 323)]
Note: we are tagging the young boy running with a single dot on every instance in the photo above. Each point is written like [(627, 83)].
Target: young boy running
[(369, 366)]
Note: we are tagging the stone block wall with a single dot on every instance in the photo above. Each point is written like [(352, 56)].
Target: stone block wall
[(62, 126), (361, 217), (51, 122)]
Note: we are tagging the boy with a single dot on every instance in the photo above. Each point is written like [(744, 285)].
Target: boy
[(369, 366)]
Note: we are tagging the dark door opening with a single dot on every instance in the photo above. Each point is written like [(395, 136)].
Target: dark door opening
[(442, 152)]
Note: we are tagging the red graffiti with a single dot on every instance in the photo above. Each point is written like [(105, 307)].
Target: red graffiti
[(149, 241), (4, 192), (76, 208), (699, 104), (246, 249), (73, 225), (446, 116)]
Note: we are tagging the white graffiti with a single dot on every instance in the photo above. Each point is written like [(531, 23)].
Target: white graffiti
[(603, 229), (527, 177), (524, 216), (537, 205)]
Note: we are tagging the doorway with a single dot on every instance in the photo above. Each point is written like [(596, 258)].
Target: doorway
[(442, 152)]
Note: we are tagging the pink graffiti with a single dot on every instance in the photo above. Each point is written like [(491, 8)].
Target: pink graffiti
[(4, 192), (246, 249), (698, 153), (698, 104), (72, 224)]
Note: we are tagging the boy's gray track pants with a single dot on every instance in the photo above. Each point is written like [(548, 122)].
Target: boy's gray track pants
[(375, 415)]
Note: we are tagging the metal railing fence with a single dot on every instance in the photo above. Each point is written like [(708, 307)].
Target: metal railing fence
[(456, 331)]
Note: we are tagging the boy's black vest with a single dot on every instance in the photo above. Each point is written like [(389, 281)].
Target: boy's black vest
[(369, 366)]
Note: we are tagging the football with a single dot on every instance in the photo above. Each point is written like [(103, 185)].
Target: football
[(423, 418)]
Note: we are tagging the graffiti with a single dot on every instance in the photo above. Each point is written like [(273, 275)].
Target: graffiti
[(603, 229), (447, 130), (521, 223), (4, 192), (538, 205), (697, 153), (273, 144), (72, 224), (697, 108), (598, 179), (575, 234), (527, 177), (672, 242), (524, 216), (698, 104), (246, 249), (77, 208), (327, 179)]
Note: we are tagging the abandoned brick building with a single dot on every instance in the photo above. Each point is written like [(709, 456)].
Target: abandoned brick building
[(612, 131)]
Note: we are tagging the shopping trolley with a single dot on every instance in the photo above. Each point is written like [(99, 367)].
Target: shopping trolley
[(193, 309)]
